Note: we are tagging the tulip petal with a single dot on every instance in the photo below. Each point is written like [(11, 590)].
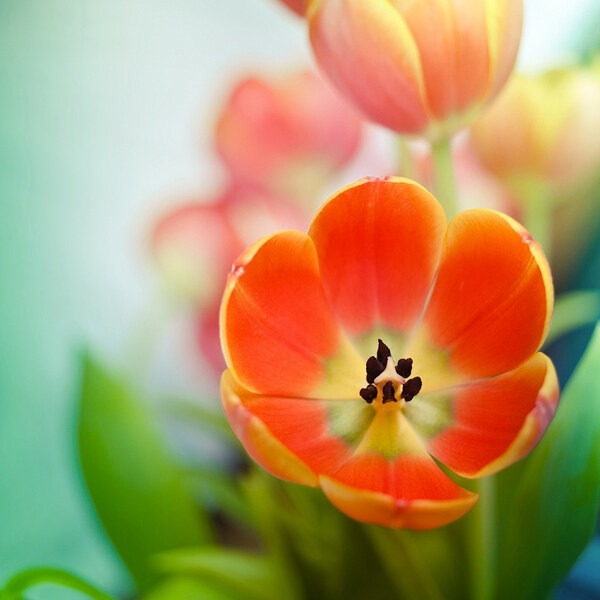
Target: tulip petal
[(452, 39), (379, 242), (491, 423), (262, 446), (409, 491), (504, 25), (278, 332), (491, 304), (390, 86), (382, 509)]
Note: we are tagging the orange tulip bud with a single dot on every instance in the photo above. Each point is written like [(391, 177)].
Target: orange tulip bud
[(422, 68), (545, 127)]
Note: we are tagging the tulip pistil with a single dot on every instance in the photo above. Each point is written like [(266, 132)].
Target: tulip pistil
[(386, 377)]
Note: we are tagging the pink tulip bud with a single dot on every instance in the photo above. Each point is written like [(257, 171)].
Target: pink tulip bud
[(288, 136)]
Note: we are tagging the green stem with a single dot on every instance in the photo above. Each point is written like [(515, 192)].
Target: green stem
[(441, 152), (483, 540), (26, 579), (407, 162), (538, 211), (573, 310), (394, 547)]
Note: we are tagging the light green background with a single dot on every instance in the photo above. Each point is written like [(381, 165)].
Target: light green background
[(105, 108)]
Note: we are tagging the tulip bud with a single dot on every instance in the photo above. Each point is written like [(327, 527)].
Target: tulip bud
[(543, 128), (543, 136), (288, 136), (423, 68)]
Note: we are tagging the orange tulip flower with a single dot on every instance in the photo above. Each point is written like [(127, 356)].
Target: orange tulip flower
[(423, 68), (384, 337), (195, 243), (287, 136)]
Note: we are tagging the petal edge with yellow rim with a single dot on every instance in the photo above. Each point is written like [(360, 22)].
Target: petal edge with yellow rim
[(383, 509), (258, 441), (497, 421)]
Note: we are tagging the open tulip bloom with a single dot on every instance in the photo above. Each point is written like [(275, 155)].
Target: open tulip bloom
[(384, 339)]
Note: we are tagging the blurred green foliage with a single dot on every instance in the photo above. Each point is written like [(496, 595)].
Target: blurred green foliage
[(550, 511), (138, 492)]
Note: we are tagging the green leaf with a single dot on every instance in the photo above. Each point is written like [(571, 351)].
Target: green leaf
[(245, 574), (554, 505), (138, 492), (29, 578), (573, 310), (220, 491), (187, 588), (435, 561)]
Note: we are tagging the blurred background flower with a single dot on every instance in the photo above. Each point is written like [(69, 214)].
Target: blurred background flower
[(287, 136)]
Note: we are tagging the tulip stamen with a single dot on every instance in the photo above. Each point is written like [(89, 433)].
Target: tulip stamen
[(368, 393), (388, 393), (386, 377), (411, 388)]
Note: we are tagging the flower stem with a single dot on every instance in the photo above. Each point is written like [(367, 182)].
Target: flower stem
[(26, 579), (537, 211), (394, 547), (441, 152), (406, 165), (483, 540)]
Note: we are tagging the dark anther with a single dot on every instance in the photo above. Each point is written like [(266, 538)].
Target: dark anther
[(374, 369), (411, 388), (388, 393), (369, 393), (404, 367), (383, 352)]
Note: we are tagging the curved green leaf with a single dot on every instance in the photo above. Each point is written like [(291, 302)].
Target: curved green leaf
[(245, 574), (554, 505), (29, 578), (137, 490), (187, 588), (573, 310)]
